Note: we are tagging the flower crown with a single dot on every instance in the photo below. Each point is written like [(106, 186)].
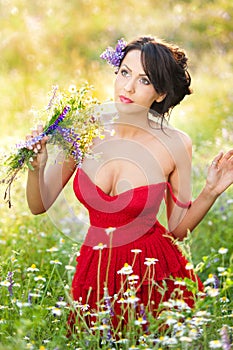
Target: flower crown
[(114, 56)]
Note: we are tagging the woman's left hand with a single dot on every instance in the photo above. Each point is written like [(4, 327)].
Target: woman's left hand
[(220, 173)]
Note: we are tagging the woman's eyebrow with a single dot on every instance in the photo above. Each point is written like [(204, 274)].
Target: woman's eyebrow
[(127, 67), (141, 75)]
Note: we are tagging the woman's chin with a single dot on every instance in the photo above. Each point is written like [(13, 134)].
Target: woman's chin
[(129, 108)]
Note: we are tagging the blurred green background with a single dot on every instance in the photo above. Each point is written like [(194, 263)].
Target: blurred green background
[(59, 42), (47, 42)]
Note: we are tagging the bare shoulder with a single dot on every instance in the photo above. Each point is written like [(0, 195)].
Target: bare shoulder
[(173, 137), (181, 135), (180, 145)]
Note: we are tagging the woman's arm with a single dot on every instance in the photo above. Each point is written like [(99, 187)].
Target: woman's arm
[(44, 183), (219, 178)]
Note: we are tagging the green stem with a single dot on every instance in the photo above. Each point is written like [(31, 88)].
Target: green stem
[(47, 285), (98, 280)]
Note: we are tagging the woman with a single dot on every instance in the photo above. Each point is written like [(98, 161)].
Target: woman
[(145, 162)]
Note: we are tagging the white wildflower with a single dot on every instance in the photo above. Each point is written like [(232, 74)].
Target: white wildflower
[(40, 278), (61, 303), (136, 251), (56, 311), (52, 249), (150, 261), (22, 304), (132, 299), (32, 268), (125, 270), (100, 246), (215, 344), (140, 321), (72, 89), (210, 279), (55, 262), (189, 266), (223, 250), (5, 283), (180, 283), (110, 230), (186, 339), (212, 292), (133, 277)]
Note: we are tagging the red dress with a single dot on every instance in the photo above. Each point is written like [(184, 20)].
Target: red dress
[(139, 246)]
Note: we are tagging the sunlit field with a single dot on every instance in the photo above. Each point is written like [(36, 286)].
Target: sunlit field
[(45, 43)]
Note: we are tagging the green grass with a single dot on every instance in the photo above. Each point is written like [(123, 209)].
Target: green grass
[(28, 311)]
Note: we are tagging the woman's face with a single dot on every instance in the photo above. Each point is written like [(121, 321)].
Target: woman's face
[(133, 88)]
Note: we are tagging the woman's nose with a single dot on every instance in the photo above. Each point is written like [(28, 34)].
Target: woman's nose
[(130, 86)]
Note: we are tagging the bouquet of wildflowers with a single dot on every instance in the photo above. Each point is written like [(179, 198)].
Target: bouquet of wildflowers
[(71, 124)]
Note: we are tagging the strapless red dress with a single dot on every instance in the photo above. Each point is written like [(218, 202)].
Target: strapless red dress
[(137, 245)]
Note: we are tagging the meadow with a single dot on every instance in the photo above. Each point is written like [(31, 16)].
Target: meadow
[(45, 43)]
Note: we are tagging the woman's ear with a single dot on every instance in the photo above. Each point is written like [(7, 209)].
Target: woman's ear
[(161, 97)]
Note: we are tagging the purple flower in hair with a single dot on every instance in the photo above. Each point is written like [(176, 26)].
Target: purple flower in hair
[(114, 56)]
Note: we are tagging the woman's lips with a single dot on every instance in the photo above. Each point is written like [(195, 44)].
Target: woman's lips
[(124, 99)]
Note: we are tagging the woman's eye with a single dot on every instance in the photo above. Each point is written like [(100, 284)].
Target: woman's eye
[(124, 73), (144, 81)]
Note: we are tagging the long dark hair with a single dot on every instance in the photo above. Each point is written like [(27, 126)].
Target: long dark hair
[(166, 67)]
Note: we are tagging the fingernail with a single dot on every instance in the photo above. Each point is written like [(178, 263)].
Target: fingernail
[(38, 146), (35, 150)]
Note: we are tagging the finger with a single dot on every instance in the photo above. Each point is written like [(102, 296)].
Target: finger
[(44, 140), (217, 159), (40, 128), (38, 146), (34, 133), (28, 138), (229, 154)]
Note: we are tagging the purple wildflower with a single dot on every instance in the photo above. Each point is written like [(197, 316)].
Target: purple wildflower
[(21, 161), (143, 315), (47, 132), (55, 88), (54, 126), (114, 56), (29, 298), (71, 137), (216, 282), (107, 302), (10, 279), (226, 345), (109, 335)]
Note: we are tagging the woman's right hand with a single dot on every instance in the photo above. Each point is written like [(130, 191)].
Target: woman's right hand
[(40, 151)]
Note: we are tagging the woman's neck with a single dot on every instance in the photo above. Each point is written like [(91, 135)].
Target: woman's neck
[(132, 123)]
